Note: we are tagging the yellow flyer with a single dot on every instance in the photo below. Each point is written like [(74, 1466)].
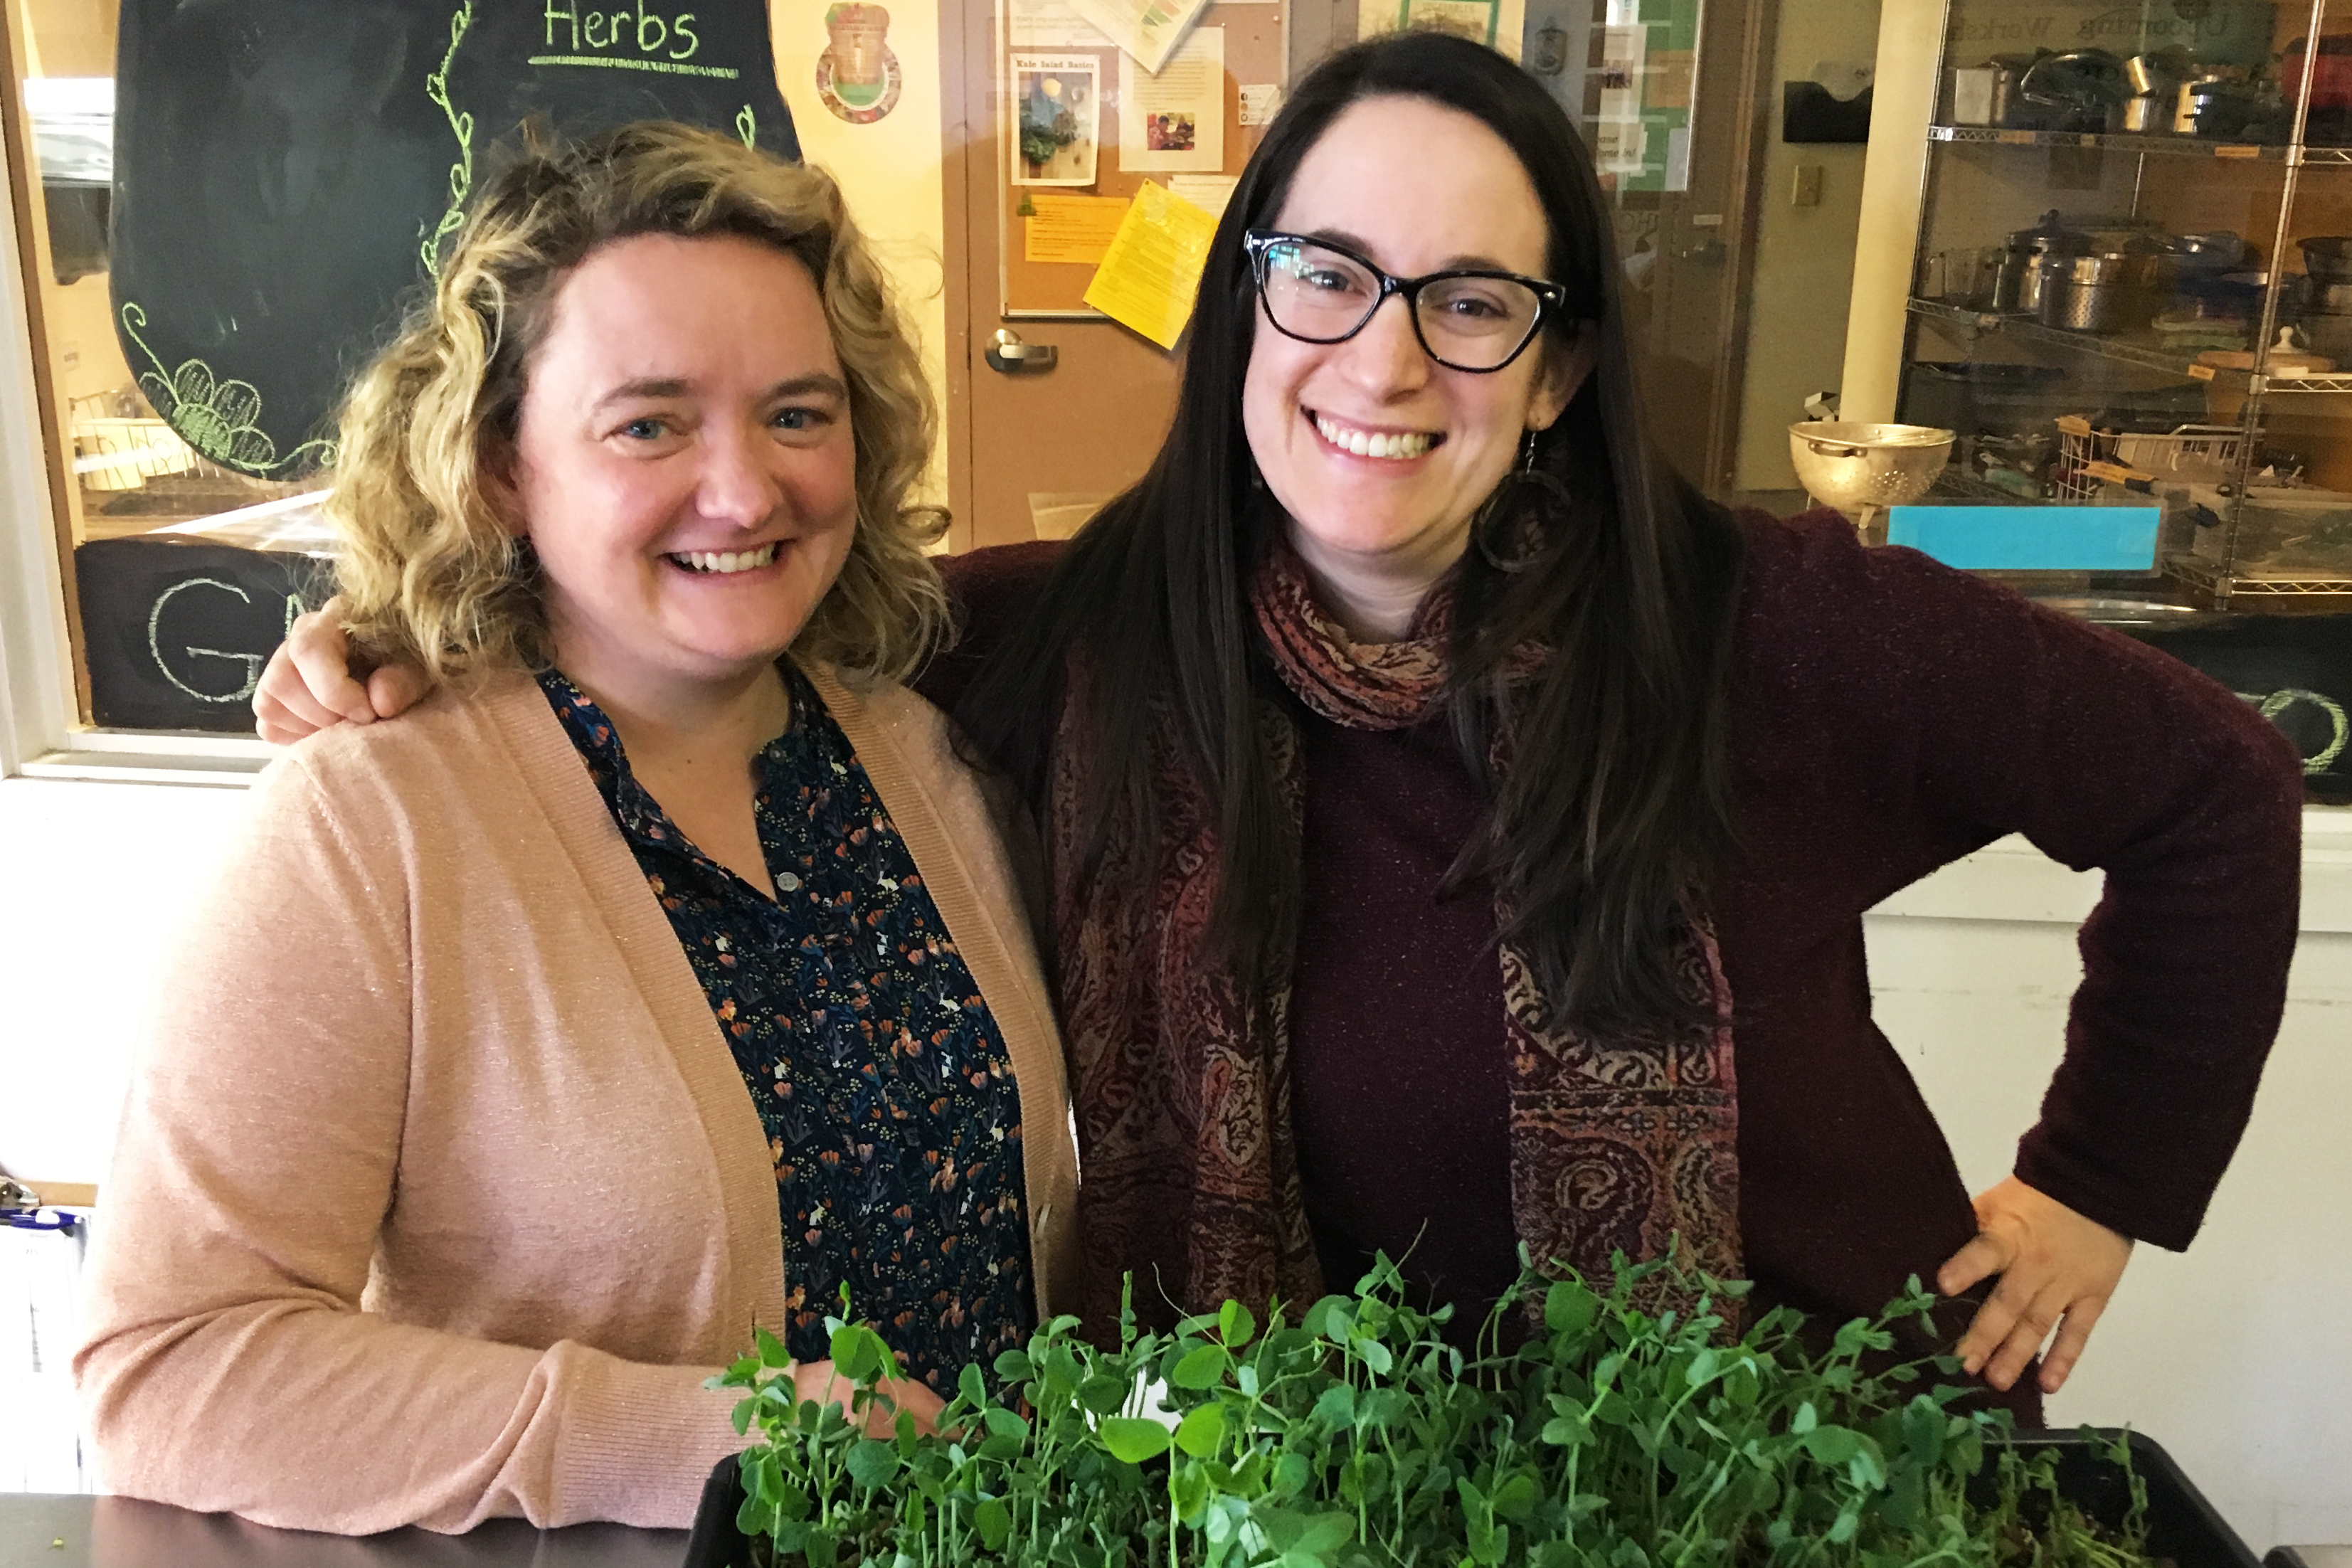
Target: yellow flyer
[(1071, 228), (1149, 277)]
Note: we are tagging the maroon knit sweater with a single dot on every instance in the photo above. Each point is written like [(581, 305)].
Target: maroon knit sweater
[(1888, 716)]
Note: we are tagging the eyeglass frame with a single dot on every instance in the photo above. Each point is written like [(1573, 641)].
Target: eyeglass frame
[(1549, 296)]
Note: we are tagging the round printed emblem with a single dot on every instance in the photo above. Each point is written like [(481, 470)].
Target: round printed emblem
[(858, 77)]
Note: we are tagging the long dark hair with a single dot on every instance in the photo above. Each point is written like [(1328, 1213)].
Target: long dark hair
[(1617, 811)]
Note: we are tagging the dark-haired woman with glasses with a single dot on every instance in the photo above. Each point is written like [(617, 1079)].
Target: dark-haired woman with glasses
[(1459, 830)]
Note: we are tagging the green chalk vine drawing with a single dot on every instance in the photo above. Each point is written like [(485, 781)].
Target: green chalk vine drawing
[(461, 172), (747, 126), (2339, 723), (221, 419)]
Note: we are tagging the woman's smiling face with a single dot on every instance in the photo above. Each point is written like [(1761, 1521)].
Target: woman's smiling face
[(1379, 455), (685, 468)]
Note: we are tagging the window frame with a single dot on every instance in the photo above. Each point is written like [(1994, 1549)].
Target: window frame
[(44, 691)]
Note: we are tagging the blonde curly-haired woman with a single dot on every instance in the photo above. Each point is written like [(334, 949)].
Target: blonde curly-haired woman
[(647, 983)]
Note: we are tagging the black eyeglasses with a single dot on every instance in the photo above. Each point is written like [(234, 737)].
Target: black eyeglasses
[(1319, 293)]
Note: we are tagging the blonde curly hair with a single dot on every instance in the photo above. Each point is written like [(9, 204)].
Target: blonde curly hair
[(429, 571)]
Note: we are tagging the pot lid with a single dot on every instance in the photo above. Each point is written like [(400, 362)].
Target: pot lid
[(2050, 234)]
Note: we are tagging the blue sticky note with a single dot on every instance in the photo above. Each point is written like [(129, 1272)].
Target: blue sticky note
[(2030, 538)]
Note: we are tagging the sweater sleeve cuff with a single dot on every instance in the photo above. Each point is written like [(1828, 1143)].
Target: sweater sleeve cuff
[(639, 1441), (2049, 1170)]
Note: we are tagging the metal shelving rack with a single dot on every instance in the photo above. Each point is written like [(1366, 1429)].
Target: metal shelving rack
[(2219, 582)]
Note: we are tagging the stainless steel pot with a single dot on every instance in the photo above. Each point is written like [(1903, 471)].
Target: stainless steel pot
[(2017, 282), (2148, 114), (2213, 106), (2107, 291)]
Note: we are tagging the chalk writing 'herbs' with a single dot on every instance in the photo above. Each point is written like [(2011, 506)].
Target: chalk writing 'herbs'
[(653, 36)]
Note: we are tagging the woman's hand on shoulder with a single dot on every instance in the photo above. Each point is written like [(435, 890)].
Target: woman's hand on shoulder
[(311, 686), (2058, 1270), (816, 1380)]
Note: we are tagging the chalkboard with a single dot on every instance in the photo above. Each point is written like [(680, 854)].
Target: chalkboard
[(2297, 669), (288, 171), (176, 630)]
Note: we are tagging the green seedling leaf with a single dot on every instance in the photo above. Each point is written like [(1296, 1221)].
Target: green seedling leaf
[(1103, 1394), (1235, 1325), (994, 1523), (1203, 1366), (1328, 1318), (1569, 1308), (1335, 1408), (1834, 1446), (1131, 1440), (873, 1463), (1202, 1433), (1515, 1496), (772, 1353)]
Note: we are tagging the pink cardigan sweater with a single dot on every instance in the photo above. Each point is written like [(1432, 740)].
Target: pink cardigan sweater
[(438, 1193)]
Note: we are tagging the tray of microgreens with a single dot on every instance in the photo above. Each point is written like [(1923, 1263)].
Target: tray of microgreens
[(1642, 1426)]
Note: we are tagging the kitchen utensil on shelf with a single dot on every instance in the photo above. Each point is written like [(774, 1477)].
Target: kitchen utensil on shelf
[(2328, 120), (1966, 275), (2221, 251), (2085, 88), (2017, 283), (1981, 94), (2159, 72), (2214, 106), (2327, 257), (2148, 114), (1862, 469), (2100, 291)]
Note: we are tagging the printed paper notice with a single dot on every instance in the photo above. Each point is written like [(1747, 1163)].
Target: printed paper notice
[(1147, 281), (1056, 107), (1071, 228), (1148, 29), (1175, 118), (1050, 25), (1496, 24), (1210, 192)]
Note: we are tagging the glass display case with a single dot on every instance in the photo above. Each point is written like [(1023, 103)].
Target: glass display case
[(2133, 285)]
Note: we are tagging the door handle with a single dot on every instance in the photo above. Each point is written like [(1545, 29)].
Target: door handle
[(1008, 354)]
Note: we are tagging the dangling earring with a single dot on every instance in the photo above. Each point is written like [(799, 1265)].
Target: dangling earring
[(1504, 515)]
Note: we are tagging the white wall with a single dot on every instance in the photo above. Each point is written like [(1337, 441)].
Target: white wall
[(2237, 1356), (97, 879)]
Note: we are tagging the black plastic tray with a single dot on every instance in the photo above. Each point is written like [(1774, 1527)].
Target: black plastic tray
[(2181, 1525)]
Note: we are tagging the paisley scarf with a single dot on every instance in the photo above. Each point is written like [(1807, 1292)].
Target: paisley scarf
[(1180, 1074)]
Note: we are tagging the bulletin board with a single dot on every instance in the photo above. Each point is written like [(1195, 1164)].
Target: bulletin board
[(1058, 78)]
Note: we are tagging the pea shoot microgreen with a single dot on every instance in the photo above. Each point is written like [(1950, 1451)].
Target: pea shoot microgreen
[(1637, 1427)]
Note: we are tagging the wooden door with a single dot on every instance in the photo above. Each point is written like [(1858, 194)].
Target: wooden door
[(1031, 450)]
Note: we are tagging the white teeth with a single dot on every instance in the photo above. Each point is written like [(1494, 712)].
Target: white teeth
[(1365, 444), (721, 561)]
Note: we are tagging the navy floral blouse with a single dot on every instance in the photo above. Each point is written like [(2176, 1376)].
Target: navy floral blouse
[(878, 1072)]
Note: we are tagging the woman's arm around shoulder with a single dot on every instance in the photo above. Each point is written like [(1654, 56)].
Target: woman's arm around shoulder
[(229, 1363)]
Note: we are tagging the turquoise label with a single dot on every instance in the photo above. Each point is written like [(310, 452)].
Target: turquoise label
[(2030, 538)]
